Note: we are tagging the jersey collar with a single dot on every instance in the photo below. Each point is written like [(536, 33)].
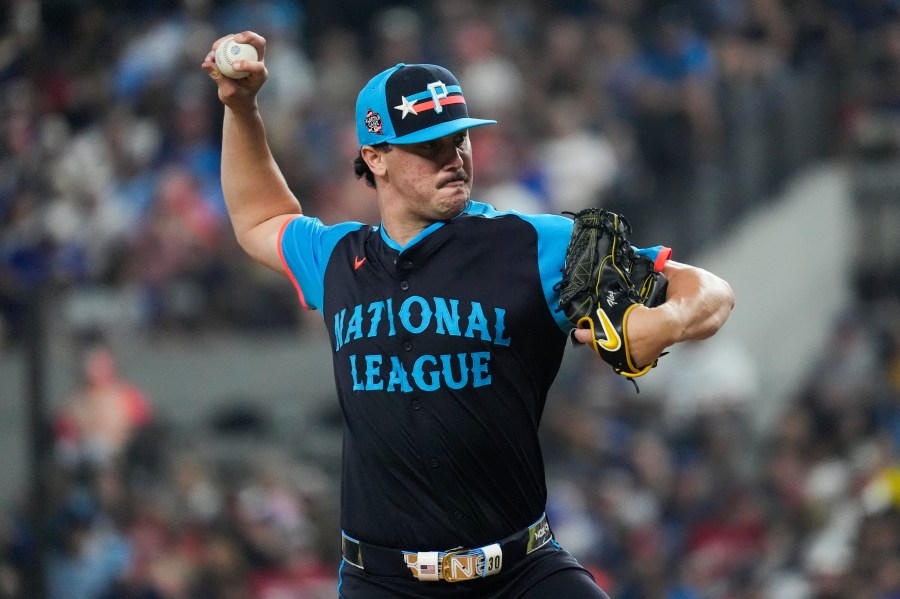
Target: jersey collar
[(425, 232)]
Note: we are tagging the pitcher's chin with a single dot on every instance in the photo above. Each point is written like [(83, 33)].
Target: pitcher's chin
[(452, 205)]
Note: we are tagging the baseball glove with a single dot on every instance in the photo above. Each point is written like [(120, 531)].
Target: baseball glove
[(604, 278)]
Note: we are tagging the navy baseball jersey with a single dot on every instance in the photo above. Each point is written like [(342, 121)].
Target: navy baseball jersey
[(444, 351)]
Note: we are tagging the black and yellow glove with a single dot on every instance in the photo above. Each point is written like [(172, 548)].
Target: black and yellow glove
[(604, 278)]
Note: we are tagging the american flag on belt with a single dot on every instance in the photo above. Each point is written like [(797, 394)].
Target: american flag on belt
[(428, 569)]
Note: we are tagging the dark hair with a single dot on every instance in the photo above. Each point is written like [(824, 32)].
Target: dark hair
[(362, 170)]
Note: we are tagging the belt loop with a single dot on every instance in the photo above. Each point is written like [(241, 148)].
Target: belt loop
[(351, 550), (538, 534)]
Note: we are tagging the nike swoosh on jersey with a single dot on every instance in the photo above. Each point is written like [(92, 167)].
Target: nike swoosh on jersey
[(357, 262)]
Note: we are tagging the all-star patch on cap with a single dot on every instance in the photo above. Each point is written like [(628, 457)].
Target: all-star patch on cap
[(411, 103)]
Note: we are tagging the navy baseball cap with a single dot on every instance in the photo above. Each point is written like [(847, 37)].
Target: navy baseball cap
[(411, 103)]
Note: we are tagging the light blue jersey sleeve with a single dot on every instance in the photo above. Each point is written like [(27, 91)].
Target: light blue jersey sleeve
[(305, 245), (553, 233)]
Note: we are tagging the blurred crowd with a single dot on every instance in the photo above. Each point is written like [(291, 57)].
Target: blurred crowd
[(670, 503), (680, 116), (683, 116)]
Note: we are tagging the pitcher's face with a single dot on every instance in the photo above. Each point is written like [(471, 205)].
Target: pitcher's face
[(433, 178)]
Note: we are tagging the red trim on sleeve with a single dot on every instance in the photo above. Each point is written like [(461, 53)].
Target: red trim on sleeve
[(661, 258), (285, 264)]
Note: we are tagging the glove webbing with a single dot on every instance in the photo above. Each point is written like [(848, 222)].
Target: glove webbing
[(580, 281)]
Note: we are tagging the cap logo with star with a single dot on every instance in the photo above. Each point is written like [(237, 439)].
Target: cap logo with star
[(412, 103)]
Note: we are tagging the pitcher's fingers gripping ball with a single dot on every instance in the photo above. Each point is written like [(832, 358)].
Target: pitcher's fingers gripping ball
[(229, 52), (604, 278)]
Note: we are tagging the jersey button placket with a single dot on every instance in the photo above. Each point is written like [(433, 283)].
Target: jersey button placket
[(404, 264)]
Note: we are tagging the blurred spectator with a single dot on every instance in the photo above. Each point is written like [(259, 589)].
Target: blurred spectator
[(872, 105), (677, 118), (753, 92), (491, 77), (579, 164), (95, 425), (707, 379), (399, 35), (90, 556), (677, 121), (175, 252)]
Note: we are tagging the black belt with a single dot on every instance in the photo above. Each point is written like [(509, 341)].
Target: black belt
[(452, 565)]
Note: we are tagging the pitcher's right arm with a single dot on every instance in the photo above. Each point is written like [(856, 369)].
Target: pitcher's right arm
[(256, 194)]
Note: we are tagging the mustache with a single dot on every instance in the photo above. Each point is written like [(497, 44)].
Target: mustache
[(460, 176)]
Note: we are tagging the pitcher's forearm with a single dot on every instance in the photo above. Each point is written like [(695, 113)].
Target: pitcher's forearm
[(254, 188), (699, 302)]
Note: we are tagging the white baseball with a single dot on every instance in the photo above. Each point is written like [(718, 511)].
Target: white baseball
[(230, 51)]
